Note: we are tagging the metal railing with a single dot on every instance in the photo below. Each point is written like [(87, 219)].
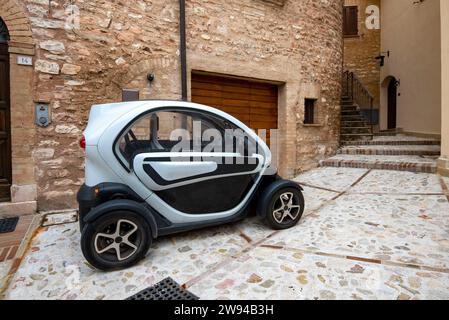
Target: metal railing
[(354, 89)]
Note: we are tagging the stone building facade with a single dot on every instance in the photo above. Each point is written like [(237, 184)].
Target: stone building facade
[(362, 49), (88, 52)]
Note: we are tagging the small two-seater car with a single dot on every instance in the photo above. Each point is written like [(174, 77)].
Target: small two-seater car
[(155, 168)]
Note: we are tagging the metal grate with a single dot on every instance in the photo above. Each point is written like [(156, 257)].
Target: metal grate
[(167, 289), (8, 225)]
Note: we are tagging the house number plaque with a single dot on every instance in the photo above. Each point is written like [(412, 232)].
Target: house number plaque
[(25, 60)]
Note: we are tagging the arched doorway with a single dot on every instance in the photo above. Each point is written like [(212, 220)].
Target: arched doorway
[(5, 118), (392, 103)]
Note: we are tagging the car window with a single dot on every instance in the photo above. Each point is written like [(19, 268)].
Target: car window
[(172, 130)]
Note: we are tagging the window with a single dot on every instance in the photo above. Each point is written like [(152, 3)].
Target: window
[(176, 130), (309, 111), (350, 21)]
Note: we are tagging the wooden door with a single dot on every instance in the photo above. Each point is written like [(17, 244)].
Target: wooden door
[(392, 104), (5, 126), (253, 103)]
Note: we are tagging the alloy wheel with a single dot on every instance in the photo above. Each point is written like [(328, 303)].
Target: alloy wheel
[(118, 241), (288, 208)]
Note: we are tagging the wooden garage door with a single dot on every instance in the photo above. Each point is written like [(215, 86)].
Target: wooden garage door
[(253, 103)]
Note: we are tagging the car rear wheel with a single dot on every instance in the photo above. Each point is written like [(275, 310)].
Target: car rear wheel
[(117, 240)]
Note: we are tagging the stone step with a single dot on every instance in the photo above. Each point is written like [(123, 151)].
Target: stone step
[(407, 150), (396, 131), (398, 163), (399, 140), (391, 143), (350, 113), (355, 135), (349, 108), (385, 134), (355, 130), (345, 118), (348, 123), (354, 124)]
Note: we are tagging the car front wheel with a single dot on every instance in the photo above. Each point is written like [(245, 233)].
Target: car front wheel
[(116, 240)]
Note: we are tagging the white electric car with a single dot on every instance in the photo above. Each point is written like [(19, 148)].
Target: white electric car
[(155, 168)]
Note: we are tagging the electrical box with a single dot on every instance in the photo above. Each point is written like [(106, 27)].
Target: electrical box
[(130, 95), (43, 115)]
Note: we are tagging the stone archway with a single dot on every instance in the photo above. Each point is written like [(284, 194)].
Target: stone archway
[(23, 131), (17, 22)]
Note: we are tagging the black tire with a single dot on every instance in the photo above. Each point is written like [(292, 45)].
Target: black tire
[(92, 243), (270, 202)]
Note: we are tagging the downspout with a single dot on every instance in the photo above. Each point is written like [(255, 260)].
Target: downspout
[(183, 48)]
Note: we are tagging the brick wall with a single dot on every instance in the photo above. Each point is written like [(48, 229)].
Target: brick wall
[(360, 51), (297, 44)]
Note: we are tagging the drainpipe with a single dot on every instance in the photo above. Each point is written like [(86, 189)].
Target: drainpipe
[(183, 48)]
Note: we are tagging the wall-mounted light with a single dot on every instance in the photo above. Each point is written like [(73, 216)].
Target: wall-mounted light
[(382, 57), (151, 77), (382, 60)]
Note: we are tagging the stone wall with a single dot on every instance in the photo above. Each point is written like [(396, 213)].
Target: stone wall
[(117, 45), (296, 44), (321, 55), (443, 163), (361, 51)]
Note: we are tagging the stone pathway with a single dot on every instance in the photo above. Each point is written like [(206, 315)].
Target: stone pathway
[(366, 234)]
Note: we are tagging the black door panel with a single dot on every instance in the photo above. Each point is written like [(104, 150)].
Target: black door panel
[(210, 196)]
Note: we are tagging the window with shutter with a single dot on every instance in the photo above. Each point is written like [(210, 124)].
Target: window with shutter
[(350, 21)]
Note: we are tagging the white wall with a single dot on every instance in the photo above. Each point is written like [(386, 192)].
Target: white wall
[(411, 32), (445, 81)]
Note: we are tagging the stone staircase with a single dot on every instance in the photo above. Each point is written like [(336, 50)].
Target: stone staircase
[(353, 124), (388, 152)]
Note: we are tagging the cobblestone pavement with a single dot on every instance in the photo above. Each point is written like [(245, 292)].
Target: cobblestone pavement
[(365, 235)]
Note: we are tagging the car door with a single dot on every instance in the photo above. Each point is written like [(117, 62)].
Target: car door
[(196, 180)]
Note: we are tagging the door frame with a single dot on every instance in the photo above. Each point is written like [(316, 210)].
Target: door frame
[(4, 52)]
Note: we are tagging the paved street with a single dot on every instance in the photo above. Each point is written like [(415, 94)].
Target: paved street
[(365, 235)]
